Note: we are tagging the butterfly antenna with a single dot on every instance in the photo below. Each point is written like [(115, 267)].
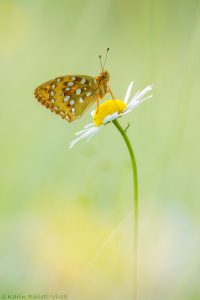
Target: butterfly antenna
[(105, 58), (101, 63)]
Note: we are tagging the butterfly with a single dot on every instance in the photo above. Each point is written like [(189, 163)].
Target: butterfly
[(71, 95)]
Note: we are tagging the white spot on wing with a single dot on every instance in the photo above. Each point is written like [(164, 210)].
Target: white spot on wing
[(70, 83), (78, 92), (66, 98), (52, 93), (73, 110), (58, 80), (73, 78), (53, 86), (72, 102), (81, 100), (88, 94), (67, 89), (83, 81)]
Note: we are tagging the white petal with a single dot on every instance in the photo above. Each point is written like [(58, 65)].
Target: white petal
[(125, 112), (81, 131), (138, 96), (138, 92), (134, 104), (89, 125), (128, 92), (110, 118), (92, 112), (91, 136), (86, 134), (85, 128)]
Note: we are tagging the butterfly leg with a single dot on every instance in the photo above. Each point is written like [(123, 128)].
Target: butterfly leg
[(111, 93), (97, 100), (113, 97)]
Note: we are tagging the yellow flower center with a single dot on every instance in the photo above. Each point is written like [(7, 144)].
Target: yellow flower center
[(107, 108)]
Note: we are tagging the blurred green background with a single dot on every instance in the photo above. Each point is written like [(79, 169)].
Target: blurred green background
[(66, 215)]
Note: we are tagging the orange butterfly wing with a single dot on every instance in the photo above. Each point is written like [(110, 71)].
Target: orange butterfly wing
[(69, 96)]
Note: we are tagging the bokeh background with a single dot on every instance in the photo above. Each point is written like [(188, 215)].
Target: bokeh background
[(66, 215)]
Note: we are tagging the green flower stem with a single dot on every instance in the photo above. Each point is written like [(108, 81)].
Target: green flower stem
[(135, 191)]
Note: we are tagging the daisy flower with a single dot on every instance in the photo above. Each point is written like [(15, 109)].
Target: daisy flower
[(111, 110), (108, 112)]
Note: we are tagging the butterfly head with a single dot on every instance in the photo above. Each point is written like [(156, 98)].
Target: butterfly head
[(104, 76)]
